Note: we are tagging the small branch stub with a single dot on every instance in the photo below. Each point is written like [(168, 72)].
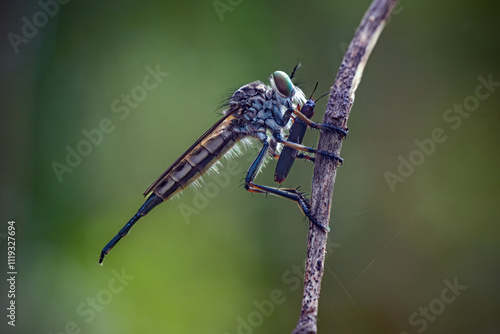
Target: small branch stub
[(336, 114)]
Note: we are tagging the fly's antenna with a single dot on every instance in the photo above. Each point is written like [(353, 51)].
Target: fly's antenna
[(319, 98), (295, 68), (322, 96), (310, 97)]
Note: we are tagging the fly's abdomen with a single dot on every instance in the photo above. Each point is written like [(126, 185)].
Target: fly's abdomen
[(195, 163)]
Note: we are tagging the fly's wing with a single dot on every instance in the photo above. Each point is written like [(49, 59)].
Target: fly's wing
[(297, 132), (205, 135), (288, 154)]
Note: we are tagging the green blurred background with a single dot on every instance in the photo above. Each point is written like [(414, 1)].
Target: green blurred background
[(213, 270)]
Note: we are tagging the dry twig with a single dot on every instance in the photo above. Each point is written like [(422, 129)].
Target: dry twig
[(337, 113)]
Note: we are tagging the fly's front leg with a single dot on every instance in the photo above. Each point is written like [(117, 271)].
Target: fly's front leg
[(309, 122), (291, 194), (303, 148)]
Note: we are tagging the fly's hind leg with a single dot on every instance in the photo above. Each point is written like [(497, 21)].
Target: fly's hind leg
[(291, 194)]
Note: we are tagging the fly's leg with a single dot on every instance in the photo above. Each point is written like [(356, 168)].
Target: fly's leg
[(150, 203), (303, 148), (309, 122), (291, 194), (298, 156), (255, 166), (305, 157)]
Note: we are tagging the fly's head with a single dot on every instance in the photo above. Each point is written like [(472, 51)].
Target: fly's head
[(286, 96), (284, 88)]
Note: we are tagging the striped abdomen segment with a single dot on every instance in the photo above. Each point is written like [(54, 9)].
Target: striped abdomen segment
[(196, 161)]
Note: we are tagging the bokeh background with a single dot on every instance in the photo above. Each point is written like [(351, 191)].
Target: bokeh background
[(220, 260)]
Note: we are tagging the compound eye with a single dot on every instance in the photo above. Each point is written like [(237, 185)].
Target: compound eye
[(283, 83)]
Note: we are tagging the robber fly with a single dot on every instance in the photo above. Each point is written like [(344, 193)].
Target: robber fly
[(288, 155), (255, 110)]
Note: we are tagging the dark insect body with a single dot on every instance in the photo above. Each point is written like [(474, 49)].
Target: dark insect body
[(255, 110)]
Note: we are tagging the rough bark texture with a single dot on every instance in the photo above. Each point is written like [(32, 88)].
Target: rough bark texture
[(337, 112)]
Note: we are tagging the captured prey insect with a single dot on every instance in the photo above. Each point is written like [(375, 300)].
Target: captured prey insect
[(297, 131), (253, 111)]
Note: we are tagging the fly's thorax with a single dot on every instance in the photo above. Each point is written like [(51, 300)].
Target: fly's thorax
[(259, 107), (241, 97)]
